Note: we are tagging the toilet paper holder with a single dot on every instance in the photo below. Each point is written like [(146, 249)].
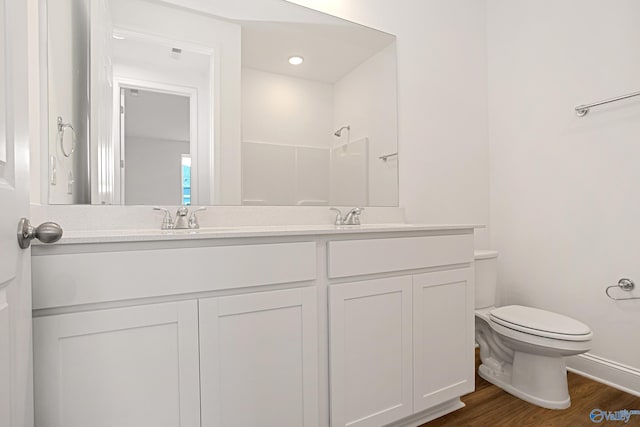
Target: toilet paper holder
[(624, 284)]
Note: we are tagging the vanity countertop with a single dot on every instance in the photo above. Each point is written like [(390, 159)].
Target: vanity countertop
[(145, 235)]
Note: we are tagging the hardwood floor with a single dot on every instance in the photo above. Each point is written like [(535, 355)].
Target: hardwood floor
[(490, 406)]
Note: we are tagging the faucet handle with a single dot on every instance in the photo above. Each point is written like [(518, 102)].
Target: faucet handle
[(193, 219), (338, 220), (167, 221)]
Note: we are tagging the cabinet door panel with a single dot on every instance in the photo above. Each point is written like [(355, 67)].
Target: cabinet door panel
[(443, 336), (259, 359), (370, 351), (134, 366)]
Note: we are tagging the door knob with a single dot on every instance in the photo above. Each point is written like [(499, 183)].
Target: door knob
[(47, 232)]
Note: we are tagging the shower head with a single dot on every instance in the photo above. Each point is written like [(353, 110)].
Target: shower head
[(338, 133)]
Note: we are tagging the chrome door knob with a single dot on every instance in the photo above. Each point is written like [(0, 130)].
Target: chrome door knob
[(47, 232)]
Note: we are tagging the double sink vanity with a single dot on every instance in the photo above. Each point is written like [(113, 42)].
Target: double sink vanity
[(234, 325), (276, 326)]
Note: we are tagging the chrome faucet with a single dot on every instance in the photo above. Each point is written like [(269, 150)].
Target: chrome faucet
[(181, 222), (351, 218), (181, 218)]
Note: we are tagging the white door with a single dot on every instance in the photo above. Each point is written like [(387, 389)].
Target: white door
[(443, 336), (125, 367), (370, 352), (16, 400), (259, 359)]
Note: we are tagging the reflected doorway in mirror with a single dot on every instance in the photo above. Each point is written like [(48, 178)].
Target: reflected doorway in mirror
[(157, 128)]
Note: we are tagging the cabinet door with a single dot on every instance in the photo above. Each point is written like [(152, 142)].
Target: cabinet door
[(370, 351), (259, 359), (443, 331), (134, 366)]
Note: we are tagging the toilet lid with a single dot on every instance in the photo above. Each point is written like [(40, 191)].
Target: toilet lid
[(540, 322)]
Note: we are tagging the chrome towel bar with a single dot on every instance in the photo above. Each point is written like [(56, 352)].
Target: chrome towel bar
[(386, 156), (582, 110), (625, 285)]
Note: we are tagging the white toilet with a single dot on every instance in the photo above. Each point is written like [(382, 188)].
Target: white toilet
[(523, 349)]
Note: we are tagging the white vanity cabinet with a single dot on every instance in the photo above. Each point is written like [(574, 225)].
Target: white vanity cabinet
[(232, 349), (342, 327), (371, 352), (259, 359), (443, 337), (401, 345), (242, 360), (131, 366)]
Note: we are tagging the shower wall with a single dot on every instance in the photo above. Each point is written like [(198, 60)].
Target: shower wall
[(286, 110), (565, 191), (368, 113), (282, 112), (286, 134)]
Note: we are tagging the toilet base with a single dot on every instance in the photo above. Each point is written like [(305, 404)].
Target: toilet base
[(552, 393)]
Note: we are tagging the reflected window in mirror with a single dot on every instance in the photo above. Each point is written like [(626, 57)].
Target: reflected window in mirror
[(186, 180)]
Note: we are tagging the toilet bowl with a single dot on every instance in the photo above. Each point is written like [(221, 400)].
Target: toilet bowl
[(523, 349)]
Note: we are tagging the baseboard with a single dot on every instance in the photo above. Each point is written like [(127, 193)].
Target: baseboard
[(430, 414), (613, 374)]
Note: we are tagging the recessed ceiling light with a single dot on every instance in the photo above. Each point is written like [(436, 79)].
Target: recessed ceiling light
[(296, 60)]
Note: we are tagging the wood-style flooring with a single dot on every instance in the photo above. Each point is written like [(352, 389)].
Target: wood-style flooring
[(490, 406)]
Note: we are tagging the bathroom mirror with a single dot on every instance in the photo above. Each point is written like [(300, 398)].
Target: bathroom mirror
[(236, 102)]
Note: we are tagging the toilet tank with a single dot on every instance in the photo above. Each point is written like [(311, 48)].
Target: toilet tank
[(486, 270)]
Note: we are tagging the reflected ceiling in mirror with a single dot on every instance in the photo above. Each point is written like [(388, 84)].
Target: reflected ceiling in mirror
[(243, 102)]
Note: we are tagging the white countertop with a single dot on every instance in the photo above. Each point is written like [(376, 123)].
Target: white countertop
[(114, 236)]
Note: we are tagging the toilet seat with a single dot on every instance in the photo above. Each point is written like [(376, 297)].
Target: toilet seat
[(541, 323)]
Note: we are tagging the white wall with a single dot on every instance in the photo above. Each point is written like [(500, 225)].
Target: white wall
[(286, 110), (365, 100), (442, 103), (256, 10), (565, 204)]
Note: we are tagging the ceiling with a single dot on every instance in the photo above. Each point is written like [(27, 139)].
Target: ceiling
[(330, 51), (274, 30)]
